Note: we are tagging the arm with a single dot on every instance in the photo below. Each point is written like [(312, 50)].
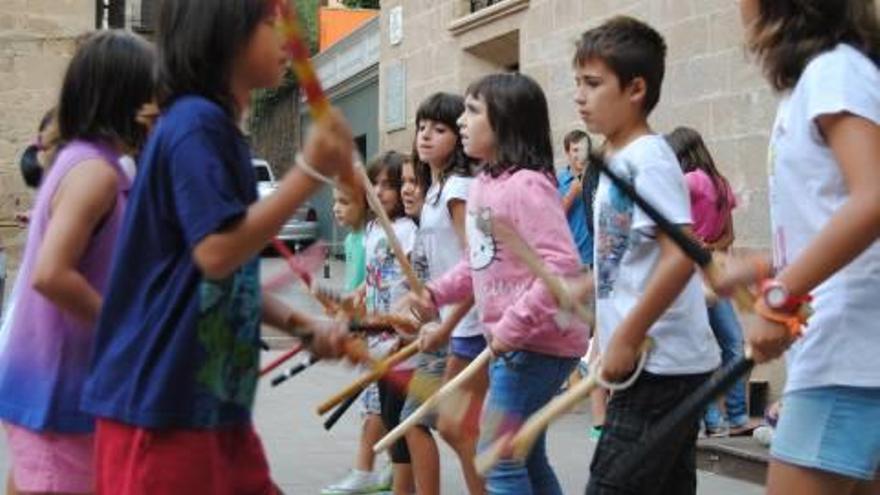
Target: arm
[(454, 286), (540, 222), (671, 275), (328, 150), (82, 200), (435, 337), (574, 191), (458, 212), (855, 143)]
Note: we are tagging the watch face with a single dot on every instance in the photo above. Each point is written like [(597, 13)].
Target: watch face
[(775, 297)]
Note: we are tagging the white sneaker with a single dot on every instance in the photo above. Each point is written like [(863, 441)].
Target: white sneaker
[(384, 478), (355, 483)]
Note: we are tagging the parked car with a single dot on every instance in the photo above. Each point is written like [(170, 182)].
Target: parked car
[(302, 228)]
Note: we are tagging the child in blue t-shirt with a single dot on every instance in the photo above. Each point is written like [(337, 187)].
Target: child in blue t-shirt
[(176, 358)]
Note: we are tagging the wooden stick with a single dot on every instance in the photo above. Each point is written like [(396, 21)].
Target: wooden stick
[(530, 258), (379, 370), (433, 401), (373, 201)]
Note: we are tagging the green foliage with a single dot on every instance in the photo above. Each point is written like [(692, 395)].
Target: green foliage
[(361, 4)]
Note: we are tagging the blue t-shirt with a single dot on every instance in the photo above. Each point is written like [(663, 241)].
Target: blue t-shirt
[(577, 218), (174, 349)]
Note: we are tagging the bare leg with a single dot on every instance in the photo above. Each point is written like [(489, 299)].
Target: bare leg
[(786, 479), (463, 437), (403, 480), (372, 432), (425, 460), (868, 488)]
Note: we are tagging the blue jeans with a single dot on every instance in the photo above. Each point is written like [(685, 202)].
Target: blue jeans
[(729, 334), (520, 383)]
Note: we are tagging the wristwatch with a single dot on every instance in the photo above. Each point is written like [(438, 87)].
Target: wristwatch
[(778, 298)]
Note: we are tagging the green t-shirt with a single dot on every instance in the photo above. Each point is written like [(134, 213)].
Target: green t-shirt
[(355, 264)]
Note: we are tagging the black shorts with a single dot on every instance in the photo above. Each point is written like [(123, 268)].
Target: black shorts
[(631, 414), (392, 395)]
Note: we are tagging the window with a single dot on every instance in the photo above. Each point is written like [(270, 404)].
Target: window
[(482, 4), (109, 14)]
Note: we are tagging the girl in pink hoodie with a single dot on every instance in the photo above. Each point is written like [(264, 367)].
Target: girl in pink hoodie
[(507, 127)]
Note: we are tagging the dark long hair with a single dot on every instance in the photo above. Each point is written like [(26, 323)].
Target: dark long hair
[(390, 162), (445, 108), (693, 155), (518, 114), (107, 82), (790, 33), (198, 41), (29, 164)]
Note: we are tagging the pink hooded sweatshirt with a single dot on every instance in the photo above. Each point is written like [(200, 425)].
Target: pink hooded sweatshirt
[(514, 306)]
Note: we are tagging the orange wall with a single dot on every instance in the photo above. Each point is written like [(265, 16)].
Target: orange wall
[(335, 24)]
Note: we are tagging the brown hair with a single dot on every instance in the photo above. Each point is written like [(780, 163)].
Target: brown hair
[(789, 33), (576, 136), (693, 155), (631, 49), (390, 162)]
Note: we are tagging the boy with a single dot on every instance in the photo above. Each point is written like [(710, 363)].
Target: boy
[(645, 286), (571, 187)]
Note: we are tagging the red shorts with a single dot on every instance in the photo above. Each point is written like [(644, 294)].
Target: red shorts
[(140, 461)]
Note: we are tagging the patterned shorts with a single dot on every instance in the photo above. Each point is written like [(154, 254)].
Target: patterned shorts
[(370, 400), (427, 378)]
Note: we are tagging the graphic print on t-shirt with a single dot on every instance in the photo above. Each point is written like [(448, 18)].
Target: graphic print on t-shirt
[(613, 235), (382, 273), (482, 246), (419, 259), (227, 331)]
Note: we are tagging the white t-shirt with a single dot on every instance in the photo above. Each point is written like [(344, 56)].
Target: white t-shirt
[(841, 344), (439, 245), (626, 253), (385, 281)]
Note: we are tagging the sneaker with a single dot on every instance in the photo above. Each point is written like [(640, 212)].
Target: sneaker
[(595, 433), (385, 477), (764, 435), (355, 483)]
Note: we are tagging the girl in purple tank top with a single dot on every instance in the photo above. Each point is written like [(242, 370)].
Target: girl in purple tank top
[(46, 338)]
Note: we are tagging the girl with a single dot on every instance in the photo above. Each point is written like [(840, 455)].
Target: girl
[(351, 212), (384, 287), (712, 202), (414, 184), (176, 356), (506, 125), (438, 153), (73, 229), (822, 57)]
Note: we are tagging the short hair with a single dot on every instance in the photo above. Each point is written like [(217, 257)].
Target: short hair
[(789, 33), (631, 49), (572, 137), (198, 41)]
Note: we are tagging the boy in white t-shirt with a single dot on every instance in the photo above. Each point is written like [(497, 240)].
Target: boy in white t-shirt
[(825, 213), (645, 285)]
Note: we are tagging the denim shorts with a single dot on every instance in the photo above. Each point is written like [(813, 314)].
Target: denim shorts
[(467, 347), (831, 429)]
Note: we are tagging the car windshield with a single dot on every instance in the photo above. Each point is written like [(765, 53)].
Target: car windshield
[(262, 173)]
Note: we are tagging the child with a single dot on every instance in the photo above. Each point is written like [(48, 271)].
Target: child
[(506, 125), (438, 153), (577, 147), (712, 201), (59, 292), (822, 57), (414, 184), (645, 285), (174, 369), (352, 212), (577, 185), (384, 287)]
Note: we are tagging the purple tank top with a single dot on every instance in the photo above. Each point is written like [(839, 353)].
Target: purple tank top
[(45, 352)]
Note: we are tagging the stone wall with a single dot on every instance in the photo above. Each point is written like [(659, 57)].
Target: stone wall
[(36, 42), (710, 85)]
